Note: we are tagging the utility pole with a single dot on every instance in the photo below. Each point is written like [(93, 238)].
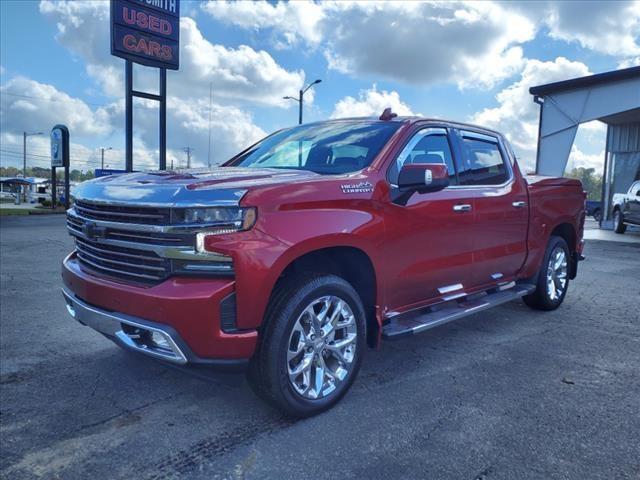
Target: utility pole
[(102, 149), (210, 107), (300, 98), (188, 151)]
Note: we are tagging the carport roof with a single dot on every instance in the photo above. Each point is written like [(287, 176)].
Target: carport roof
[(586, 82)]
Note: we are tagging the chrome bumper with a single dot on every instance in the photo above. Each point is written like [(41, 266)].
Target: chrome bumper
[(130, 332)]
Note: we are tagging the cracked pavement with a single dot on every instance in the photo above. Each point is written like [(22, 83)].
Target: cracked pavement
[(507, 393)]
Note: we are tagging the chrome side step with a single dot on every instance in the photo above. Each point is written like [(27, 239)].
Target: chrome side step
[(416, 322)]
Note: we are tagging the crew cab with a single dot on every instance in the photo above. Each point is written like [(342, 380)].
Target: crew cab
[(315, 243), (626, 208)]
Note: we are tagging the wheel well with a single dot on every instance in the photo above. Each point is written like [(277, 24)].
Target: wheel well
[(349, 263), (566, 231)]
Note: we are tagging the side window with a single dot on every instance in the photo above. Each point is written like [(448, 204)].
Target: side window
[(427, 146), (483, 161)]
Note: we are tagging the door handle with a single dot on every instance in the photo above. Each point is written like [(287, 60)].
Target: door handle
[(519, 204), (462, 208)]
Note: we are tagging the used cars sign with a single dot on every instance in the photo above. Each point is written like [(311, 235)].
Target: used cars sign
[(146, 32)]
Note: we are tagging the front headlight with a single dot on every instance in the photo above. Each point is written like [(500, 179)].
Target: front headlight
[(221, 215), (218, 221)]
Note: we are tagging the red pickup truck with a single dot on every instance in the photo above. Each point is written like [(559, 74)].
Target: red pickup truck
[(314, 243)]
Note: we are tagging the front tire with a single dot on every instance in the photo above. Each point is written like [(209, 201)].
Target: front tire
[(311, 346), (618, 222), (553, 278)]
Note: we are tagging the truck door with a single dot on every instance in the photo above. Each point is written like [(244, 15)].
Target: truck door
[(633, 203), (427, 250), (501, 213)]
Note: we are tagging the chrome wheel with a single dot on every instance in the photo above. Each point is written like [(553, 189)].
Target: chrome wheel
[(321, 348), (557, 273)]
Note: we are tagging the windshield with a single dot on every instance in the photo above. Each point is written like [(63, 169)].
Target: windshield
[(329, 148)]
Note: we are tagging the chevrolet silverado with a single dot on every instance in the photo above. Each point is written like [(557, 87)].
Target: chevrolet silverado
[(315, 243)]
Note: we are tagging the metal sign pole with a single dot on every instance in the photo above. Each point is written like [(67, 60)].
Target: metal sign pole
[(163, 119), (54, 181), (153, 39), (128, 116), (67, 200)]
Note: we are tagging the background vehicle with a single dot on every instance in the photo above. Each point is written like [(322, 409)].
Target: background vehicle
[(594, 209), (316, 242), (626, 208)]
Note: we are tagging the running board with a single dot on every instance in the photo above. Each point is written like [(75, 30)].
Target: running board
[(409, 324)]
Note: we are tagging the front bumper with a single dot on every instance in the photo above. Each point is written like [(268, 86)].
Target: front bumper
[(182, 313)]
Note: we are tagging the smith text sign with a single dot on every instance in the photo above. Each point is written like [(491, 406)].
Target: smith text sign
[(146, 32)]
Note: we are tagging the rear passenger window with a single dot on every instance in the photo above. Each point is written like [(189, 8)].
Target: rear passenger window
[(483, 163)]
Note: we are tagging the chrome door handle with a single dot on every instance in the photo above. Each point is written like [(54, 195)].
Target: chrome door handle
[(462, 208), (519, 204)]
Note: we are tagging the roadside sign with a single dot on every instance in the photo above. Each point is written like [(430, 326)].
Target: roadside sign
[(146, 32), (59, 158), (105, 172), (59, 146)]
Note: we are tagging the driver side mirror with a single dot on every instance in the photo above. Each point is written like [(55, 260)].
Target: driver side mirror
[(420, 178)]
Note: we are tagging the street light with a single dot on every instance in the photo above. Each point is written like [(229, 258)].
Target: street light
[(24, 159), (300, 99), (102, 150), (24, 150)]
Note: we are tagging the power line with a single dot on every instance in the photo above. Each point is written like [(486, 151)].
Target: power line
[(60, 100)]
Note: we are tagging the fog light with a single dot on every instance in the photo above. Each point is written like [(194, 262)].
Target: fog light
[(160, 340)]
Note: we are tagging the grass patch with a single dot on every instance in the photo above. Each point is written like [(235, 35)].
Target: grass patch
[(13, 211)]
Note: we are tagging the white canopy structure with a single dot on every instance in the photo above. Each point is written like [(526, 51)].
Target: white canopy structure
[(612, 97)]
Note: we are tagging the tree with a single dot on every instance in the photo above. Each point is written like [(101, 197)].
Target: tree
[(591, 181)]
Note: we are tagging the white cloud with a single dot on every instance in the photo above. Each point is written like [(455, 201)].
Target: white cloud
[(291, 20), (239, 74), (370, 102), (28, 105), (471, 44), (612, 28), (578, 158), (474, 44), (516, 114), (629, 62)]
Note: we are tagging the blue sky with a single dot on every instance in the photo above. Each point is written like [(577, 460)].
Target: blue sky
[(463, 61)]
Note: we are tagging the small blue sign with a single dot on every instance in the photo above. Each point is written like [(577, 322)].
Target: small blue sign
[(105, 172)]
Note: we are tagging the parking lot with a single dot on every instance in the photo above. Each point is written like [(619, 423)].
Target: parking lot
[(509, 393)]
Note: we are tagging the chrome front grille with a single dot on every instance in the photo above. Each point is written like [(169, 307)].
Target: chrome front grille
[(130, 250), (113, 213), (140, 265)]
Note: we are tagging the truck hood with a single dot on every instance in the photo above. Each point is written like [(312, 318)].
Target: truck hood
[(218, 186)]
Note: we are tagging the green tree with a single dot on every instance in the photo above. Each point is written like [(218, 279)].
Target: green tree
[(591, 181)]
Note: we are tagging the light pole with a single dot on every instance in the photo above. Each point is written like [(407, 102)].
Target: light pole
[(24, 150), (102, 149), (24, 159), (300, 99)]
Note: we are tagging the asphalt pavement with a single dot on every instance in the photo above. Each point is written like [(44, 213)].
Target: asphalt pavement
[(508, 393)]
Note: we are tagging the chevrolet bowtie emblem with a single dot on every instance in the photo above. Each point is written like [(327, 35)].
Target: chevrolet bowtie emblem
[(91, 230)]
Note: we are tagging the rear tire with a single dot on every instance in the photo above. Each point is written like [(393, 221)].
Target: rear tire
[(597, 215), (618, 221), (553, 277), (311, 346)]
